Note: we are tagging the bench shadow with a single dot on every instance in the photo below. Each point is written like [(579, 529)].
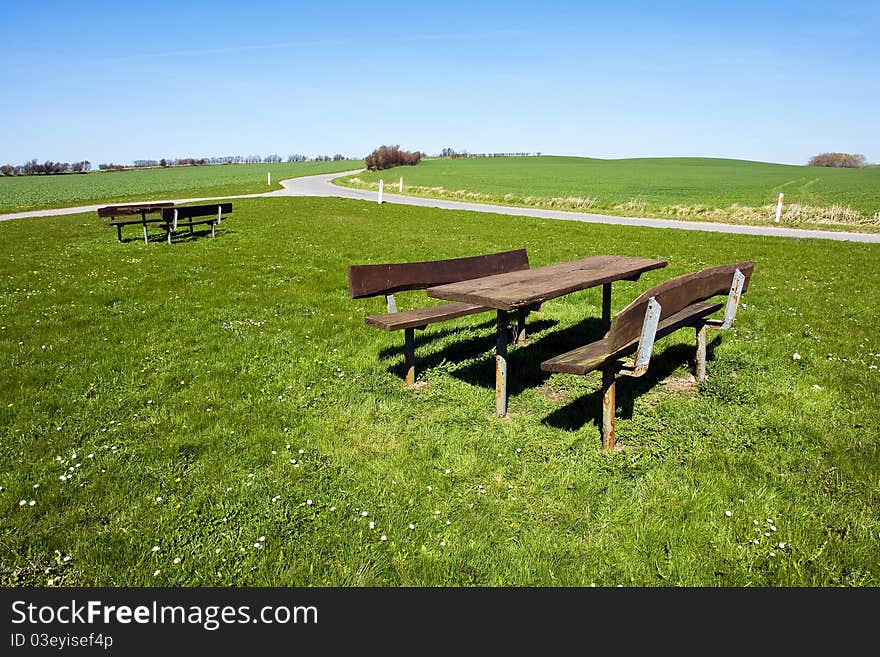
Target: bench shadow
[(588, 409), (524, 363), (458, 351)]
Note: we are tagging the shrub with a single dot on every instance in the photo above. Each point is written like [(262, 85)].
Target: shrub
[(386, 157), (844, 160)]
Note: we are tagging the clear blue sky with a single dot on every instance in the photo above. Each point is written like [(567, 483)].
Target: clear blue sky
[(118, 81)]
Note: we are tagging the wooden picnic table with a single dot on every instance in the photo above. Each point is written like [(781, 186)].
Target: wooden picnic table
[(522, 290)]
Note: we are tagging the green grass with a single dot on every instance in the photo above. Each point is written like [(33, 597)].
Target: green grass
[(679, 188), (21, 193), (195, 372)]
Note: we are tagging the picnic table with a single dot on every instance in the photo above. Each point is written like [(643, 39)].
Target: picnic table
[(520, 290)]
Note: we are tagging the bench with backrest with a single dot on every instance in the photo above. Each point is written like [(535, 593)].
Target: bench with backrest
[(680, 302), (387, 279), (188, 216), (124, 215)]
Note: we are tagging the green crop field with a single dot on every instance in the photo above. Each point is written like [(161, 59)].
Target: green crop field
[(216, 412), (20, 193), (679, 188)]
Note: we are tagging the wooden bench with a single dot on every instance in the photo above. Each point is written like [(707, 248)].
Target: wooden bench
[(142, 209), (387, 279), (194, 215), (678, 303)]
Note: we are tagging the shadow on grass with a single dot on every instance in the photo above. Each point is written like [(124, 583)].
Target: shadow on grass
[(524, 363), (584, 410), (459, 350)]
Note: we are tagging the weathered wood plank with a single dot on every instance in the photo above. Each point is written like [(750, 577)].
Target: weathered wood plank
[(674, 295), (125, 210), (518, 289), (422, 316), (373, 280), (592, 356)]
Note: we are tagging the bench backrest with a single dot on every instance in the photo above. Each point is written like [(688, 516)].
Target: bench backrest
[(675, 295), (374, 280), (186, 211), (123, 210)]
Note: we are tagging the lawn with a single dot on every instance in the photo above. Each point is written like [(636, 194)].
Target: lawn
[(678, 188), (215, 412), (21, 193)]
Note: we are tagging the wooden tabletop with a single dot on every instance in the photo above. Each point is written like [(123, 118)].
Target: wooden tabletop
[(519, 289)]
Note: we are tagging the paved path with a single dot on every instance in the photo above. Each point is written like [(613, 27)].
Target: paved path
[(321, 185)]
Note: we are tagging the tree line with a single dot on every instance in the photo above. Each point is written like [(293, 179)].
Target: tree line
[(34, 167)]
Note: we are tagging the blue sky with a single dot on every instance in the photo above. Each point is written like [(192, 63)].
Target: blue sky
[(118, 81)]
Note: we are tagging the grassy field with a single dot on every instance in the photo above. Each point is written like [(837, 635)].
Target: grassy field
[(677, 188), (215, 412), (21, 193)]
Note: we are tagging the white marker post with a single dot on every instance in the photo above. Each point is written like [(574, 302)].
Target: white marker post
[(269, 178), (401, 185), (381, 188), (779, 207)]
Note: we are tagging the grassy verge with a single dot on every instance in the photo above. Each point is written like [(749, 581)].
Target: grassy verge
[(215, 412), (22, 193), (690, 189)]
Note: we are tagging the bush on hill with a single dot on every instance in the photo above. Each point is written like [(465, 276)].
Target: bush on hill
[(386, 157), (843, 160)]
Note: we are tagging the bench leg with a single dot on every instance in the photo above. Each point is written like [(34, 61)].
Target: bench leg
[(146, 239), (609, 393), (409, 355), (118, 233), (213, 234), (501, 364), (700, 360), (191, 230), (169, 235)]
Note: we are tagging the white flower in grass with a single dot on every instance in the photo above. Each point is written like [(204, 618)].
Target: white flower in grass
[(261, 539), (755, 522), (302, 451), (772, 528), (437, 512), (430, 488), (447, 471), (176, 560), (156, 548), (795, 356), (772, 554), (156, 572), (383, 538), (333, 508), (36, 486), (728, 513), (158, 498), (767, 534), (364, 514), (309, 502), (412, 526), (372, 525), (448, 522), (22, 503), (442, 543), (32, 502), (782, 546), (63, 477)]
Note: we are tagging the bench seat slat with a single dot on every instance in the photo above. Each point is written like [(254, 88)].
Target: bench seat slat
[(422, 316), (590, 357)]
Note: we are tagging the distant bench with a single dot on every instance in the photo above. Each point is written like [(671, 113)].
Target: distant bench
[(188, 216), (127, 213), (375, 280), (678, 303)]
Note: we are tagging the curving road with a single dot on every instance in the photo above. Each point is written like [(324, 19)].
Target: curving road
[(322, 186)]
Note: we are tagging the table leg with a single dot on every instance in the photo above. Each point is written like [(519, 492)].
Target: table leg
[(609, 401), (521, 326), (606, 306), (501, 364)]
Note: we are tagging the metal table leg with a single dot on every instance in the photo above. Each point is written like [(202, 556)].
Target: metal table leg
[(501, 364)]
